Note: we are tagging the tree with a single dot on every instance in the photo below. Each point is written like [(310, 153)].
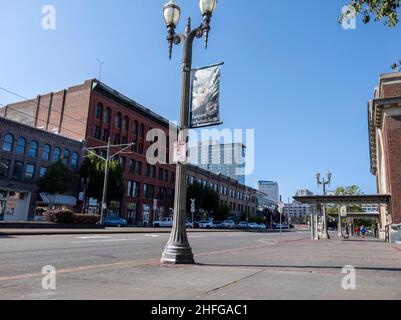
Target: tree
[(92, 174), (205, 198), (57, 180), (386, 10)]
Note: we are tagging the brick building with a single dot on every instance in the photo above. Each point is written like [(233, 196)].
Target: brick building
[(385, 142), (25, 154), (93, 112)]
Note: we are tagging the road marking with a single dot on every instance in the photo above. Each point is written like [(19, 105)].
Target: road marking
[(100, 241), (94, 237), (151, 235)]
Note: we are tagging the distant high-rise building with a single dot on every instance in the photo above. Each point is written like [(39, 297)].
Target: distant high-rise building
[(270, 188), (303, 193), (226, 159)]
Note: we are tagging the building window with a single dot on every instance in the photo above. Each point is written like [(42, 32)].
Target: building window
[(66, 157), (133, 189), (106, 135), (107, 115), (126, 124), (8, 143), (147, 171), (99, 111), (42, 172), (161, 174), (139, 168), (121, 162), (4, 167), (142, 130), (74, 160), (124, 140), (46, 152), (132, 166), (97, 132), (21, 146), (118, 120), (148, 191), (153, 172), (56, 154), (140, 148), (29, 172), (165, 175), (135, 128), (33, 149), (172, 177), (116, 138), (18, 169)]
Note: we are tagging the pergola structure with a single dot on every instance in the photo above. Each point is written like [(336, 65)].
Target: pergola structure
[(383, 200)]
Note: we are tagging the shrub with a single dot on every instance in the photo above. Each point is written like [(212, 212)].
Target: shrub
[(86, 218), (59, 216), (68, 217)]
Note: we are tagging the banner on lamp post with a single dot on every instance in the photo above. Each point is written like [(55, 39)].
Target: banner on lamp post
[(205, 97)]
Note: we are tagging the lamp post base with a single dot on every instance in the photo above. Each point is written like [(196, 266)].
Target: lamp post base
[(174, 254)]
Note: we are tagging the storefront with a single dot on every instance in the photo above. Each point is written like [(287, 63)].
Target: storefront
[(14, 205)]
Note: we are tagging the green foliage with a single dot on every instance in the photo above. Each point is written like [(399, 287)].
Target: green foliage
[(92, 172), (205, 198), (386, 10), (222, 213), (68, 217), (58, 179), (346, 191)]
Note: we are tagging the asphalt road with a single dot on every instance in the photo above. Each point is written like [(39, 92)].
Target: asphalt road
[(229, 266)]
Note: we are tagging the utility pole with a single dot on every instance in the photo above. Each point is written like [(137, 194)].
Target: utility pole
[(109, 157), (106, 179)]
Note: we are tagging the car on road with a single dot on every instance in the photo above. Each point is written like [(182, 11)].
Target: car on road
[(205, 225), (163, 223), (228, 224), (115, 222)]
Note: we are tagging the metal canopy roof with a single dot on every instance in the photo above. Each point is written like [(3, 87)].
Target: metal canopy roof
[(343, 200)]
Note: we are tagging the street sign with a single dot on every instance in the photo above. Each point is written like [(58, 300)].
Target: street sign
[(180, 152), (343, 211), (193, 206)]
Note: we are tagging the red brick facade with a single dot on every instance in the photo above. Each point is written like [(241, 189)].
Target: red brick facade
[(94, 112)]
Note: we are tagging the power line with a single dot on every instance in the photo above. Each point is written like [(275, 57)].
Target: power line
[(40, 104)]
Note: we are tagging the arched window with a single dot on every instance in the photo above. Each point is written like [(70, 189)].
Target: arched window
[(56, 154), (21, 146), (66, 157), (142, 130), (118, 120), (107, 115), (125, 123), (74, 160), (135, 128), (99, 111), (46, 152), (33, 149), (8, 143)]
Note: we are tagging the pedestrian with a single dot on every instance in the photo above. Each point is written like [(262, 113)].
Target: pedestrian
[(357, 230), (376, 231), (363, 231)]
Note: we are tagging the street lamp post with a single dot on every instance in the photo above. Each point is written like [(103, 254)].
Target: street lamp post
[(178, 250), (324, 182)]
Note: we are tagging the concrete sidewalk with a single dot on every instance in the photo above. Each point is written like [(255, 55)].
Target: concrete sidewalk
[(33, 232)]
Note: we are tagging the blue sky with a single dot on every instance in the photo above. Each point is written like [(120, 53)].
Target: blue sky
[(291, 72)]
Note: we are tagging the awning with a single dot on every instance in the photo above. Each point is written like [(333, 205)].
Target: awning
[(59, 200)]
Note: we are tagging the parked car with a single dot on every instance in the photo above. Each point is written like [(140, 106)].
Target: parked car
[(206, 225), (242, 225), (189, 224), (115, 222), (218, 225), (163, 223), (228, 224), (253, 226), (261, 226)]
